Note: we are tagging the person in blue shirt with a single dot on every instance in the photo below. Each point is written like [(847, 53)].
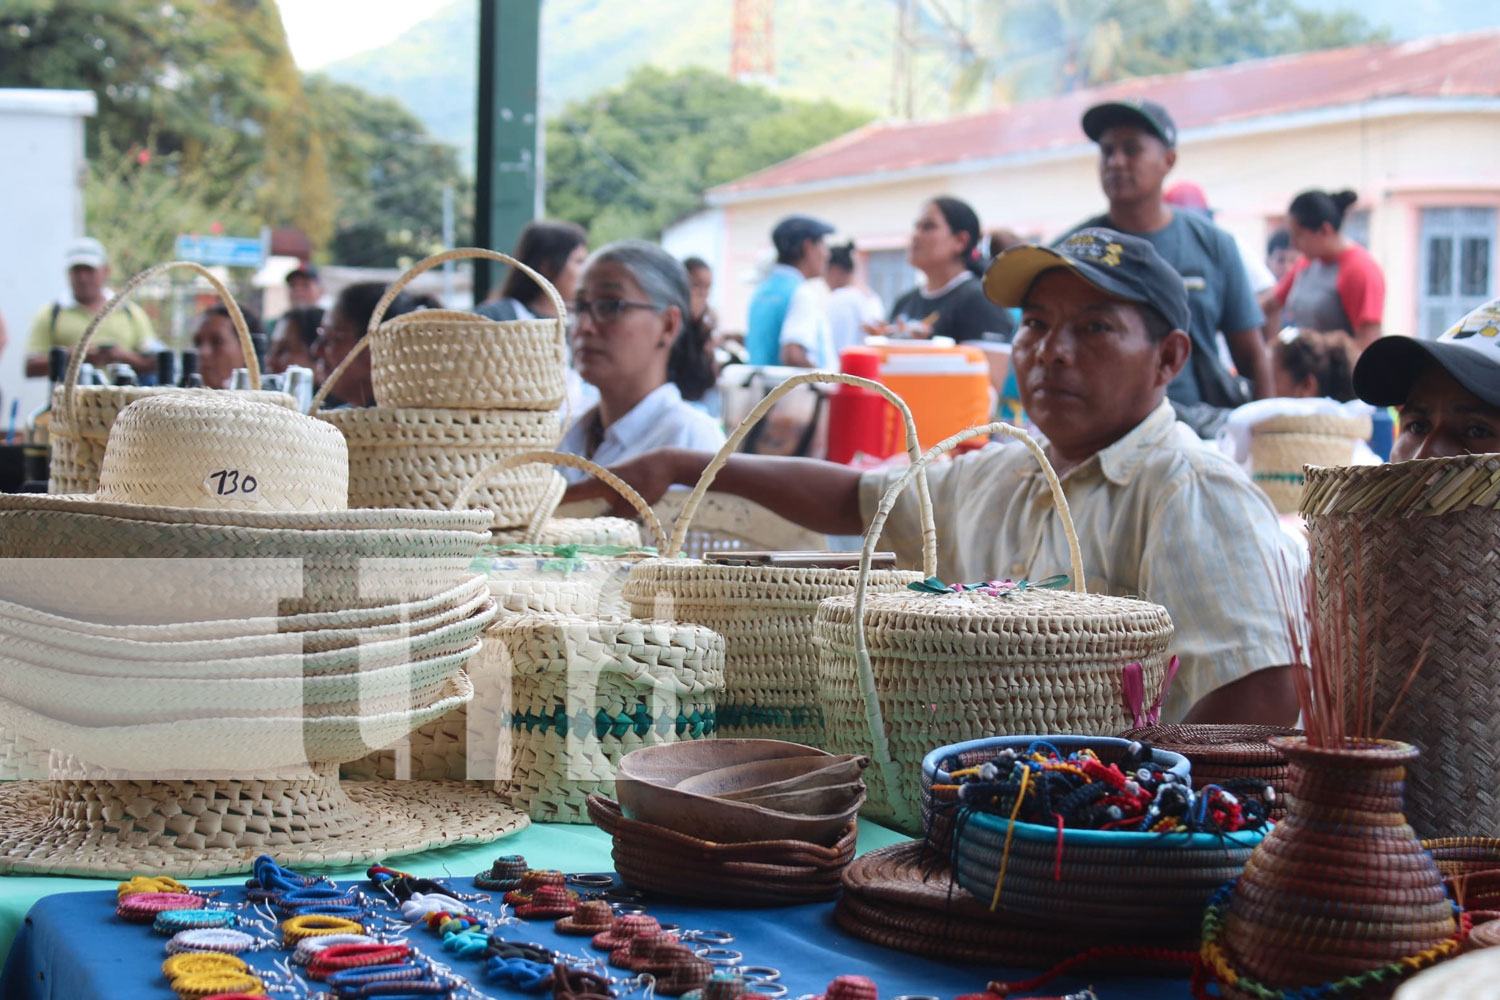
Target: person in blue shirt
[(788, 323)]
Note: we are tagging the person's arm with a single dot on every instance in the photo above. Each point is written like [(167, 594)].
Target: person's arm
[(795, 356), (801, 329), (821, 496), (1361, 289), (38, 343), (1253, 359), (1267, 697)]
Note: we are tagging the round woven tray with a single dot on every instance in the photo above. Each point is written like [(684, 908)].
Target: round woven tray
[(1412, 544), (765, 873), (1464, 855), (1467, 977)]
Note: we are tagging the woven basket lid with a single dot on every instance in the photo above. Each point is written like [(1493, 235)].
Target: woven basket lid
[(1468, 977), (222, 452)]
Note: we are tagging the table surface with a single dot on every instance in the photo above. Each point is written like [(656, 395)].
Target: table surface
[(70, 946)]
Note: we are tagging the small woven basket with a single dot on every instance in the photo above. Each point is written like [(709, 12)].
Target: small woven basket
[(440, 359), (901, 672), (1413, 549), (421, 459), (585, 692), (1281, 446), (765, 614), (1221, 753), (82, 415)]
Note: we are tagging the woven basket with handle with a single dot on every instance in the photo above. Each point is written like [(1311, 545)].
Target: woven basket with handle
[(82, 415), (438, 358), (1407, 556), (523, 582), (902, 672), (764, 613)]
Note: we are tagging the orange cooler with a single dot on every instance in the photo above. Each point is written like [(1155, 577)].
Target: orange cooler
[(947, 387)]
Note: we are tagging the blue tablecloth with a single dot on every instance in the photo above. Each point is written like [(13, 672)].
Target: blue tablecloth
[(72, 947)]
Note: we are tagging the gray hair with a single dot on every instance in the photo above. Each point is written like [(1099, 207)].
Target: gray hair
[(660, 275)]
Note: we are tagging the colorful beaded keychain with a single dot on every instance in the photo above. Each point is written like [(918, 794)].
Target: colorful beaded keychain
[(210, 939), (169, 922)]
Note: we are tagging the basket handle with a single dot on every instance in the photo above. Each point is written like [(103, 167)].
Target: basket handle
[(411, 274), (690, 508), (873, 715), (614, 482), (236, 318)]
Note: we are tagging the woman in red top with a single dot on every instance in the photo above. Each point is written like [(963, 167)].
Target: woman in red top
[(1336, 285)]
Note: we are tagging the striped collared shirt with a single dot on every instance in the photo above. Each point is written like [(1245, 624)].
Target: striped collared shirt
[(1161, 515)]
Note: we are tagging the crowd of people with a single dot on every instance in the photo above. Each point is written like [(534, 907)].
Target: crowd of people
[(1132, 336)]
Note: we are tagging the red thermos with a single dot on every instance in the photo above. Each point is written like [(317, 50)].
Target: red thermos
[(861, 422)]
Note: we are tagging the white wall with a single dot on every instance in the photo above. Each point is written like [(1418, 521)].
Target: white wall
[(41, 211), (702, 234)]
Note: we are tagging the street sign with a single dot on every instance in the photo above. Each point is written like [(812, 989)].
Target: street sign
[(222, 251)]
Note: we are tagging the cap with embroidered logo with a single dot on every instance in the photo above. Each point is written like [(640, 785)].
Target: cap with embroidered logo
[(1118, 264), (1469, 351)]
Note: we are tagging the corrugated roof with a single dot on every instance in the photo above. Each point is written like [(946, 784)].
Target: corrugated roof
[(1465, 65)]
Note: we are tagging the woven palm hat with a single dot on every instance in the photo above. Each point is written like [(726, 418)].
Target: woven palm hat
[(547, 901), (590, 917), (850, 988)]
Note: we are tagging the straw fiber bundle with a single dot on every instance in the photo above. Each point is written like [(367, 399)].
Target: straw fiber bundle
[(904, 671), (422, 458), (586, 692), (83, 415), (440, 359), (1411, 553), (758, 873), (1281, 446), (764, 613)]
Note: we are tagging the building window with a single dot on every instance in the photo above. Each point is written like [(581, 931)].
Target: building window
[(890, 275), (1357, 227), (1457, 272)]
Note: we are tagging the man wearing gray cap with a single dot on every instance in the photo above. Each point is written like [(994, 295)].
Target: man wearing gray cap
[(788, 323), (126, 335)]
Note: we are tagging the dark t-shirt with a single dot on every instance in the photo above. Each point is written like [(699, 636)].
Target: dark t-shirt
[(962, 312), (1219, 295)]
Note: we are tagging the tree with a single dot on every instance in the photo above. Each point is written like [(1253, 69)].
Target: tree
[(387, 176), (630, 160)]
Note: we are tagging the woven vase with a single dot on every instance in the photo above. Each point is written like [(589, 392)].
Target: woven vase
[(82, 415), (1341, 887), (764, 613), (901, 673), (1281, 446), (1413, 548)]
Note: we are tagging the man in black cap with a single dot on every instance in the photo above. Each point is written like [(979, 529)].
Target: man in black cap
[(1448, 389), (1160, 513), (1137, 149), (303, 287), (788, 324)]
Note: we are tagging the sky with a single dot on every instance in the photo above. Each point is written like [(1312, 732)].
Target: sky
[(324, 31)]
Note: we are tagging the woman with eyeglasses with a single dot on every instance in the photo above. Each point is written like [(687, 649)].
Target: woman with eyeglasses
[(636, 342)]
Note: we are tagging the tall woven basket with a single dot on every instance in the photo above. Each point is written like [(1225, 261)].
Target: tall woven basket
[(1281, 446), (472, 741), (902, 672), (83, 414), (441, 359), (764, 613), (1407, 557)]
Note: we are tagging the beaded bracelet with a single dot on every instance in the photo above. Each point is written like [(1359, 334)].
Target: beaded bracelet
[(210, 939), (182, 965), (293, 901), (354, 956), (142, 907), (198, 985), (309, 947), (169, 922), (144, 883), (347, 979), (307, 925)]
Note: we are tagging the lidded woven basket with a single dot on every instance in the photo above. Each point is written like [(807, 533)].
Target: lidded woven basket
[(1281, 446), (902, 672), (82, 415), (764, 613), (437, 358)]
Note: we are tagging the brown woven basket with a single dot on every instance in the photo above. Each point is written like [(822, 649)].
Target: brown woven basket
[(1411, 548), (440, 359), (1220, 753), (765, 614), (82, 415), (1457, 856), (760, 873), (892, 665)]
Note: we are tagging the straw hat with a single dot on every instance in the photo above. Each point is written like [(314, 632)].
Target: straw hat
[(504, 875), (590, 917), (626, 926), (1467, 977), (724, 984), (850, 988), (685, 972), (547, 901)]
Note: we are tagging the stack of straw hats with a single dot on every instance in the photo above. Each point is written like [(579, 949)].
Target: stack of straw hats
[(201, 642), (83, 414), (455, 391)]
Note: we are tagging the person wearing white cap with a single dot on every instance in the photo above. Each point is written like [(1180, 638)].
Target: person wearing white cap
[(1448, 389), (126, 336)]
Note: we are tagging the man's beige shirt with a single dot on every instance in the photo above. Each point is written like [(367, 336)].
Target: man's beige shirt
[(1160, 514)]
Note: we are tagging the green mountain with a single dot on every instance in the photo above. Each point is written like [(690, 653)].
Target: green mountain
[(836, 49)]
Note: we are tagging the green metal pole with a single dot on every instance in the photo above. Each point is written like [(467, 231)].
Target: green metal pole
[(508, 169)]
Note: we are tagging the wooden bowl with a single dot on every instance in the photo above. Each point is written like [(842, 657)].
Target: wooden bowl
[(776, 775)]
